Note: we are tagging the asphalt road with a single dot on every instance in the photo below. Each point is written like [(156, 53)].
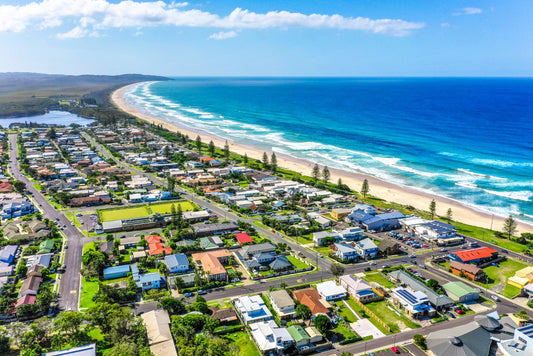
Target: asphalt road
[(70, 280)]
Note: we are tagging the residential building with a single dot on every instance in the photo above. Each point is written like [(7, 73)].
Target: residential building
[(414, 303), (311, 298), (269, 338), (149, 281), (7, 253), (224, 316), (345, 252), (339, 214), (214, 229), (322, 238), (243, 238), (252, 309), (521, 278), (46, 246), (211, 262), (87, 350), (158, 331), (359, 289), (477, 256), (330, 290), (178, 263), (366, 248), (300, 336), (351, 234), (251, 250), (468, 270), (31, 285), (314, 335), (116, 272), (438, 301), (282, 303), (461, 292), (389, 247)]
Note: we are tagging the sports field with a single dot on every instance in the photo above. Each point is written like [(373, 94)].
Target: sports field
[(142, 211)]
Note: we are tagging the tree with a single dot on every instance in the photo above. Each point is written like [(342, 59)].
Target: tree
[(68, 322), (337, 269), (51, 134), (19, 186), (273, 162), (346, 353), (339, 183), (510, 226), (199, 143), (173, 214), (316, 172), (226, 150), (432, 208), (326, 175), (245, 158), (211, 148), (365, 188), (433, 284), (4, 341), (449, 215), (303, 312), (265, 160), (420, 341), (322, 323), (172, 306), (171, 183)]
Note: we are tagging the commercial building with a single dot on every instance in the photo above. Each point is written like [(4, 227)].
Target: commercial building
[(468, 270), (477, 256), (461, 292)]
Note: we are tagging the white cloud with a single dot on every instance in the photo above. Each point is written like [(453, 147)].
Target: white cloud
[(223, 35), (76, 32), (468, 11), (104, 14)]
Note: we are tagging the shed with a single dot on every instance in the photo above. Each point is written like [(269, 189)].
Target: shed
[(461, 292)]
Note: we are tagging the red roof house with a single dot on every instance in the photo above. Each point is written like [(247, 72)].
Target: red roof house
[(152, 239), (243, 238), (26, 300)]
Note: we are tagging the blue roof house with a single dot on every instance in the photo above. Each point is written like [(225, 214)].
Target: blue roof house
[(116, 272), (7, 254), (177, 263), (150, 281)]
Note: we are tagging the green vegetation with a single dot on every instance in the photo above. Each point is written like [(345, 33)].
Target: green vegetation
[(165, 208), (378, 278), (296, 262), (390, 317), (510, 291), (500, 274), (142, 211), (72, 217), (357, 308), (487, 235), (246, 346), (89, 288)]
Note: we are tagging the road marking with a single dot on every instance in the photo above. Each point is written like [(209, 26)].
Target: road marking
[(73, 291)]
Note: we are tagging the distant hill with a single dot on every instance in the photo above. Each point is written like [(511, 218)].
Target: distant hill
[(26, 94)]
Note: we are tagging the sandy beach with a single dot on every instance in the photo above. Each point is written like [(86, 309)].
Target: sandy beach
[(378, 188)]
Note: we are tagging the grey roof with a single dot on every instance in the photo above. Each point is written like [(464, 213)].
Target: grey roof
[(254, 249), (176, 260), (280, 263), (87, 350), (471, 339), (281, 298), (115, 224), (383, 217), (438, 300), (366, 244), (212, 228), (439, 227)]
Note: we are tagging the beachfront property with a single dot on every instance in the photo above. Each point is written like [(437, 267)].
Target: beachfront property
[(476, 256)]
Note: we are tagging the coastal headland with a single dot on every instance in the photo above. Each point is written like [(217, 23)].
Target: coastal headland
[(379, 188)]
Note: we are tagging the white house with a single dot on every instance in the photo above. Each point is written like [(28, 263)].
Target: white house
[(366, 248), (282, 303), (330, 290), (345, 252), (252, 309), (269, 338)]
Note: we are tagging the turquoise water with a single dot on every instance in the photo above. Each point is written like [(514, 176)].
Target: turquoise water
[(466, 139), (52, 118)]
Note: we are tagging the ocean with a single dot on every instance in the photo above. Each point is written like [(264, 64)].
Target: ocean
[(469, 139)]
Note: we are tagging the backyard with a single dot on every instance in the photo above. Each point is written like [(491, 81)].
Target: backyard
[(297, 263), (242, 340), (377, 277), (395, 321)]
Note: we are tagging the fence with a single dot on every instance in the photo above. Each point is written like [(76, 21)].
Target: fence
[(369, 312)]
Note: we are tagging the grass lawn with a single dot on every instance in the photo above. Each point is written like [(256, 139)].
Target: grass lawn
[(389, 316), (88, 290), (345, 312), (242, 340), (72, 217), (378, 278), (505, 270), (297, 263), (127, 213), (487, 235), (165, 208), (88, 246), (363, 314), (510, 291)]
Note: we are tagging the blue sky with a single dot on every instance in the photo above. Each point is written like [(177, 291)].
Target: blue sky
[(268, 38)]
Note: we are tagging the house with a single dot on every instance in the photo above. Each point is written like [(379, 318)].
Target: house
[(477, 256), (6, 271), (177, 263), (149, 281), (280, 263), (31, 285), (351, 234), (414, 303), (155, 249), (521, 278), (26, 300), (252, 309), (325, 238), (158, 331), (314, 335), (476, 338), (224, 316), (7, 253), (468, 270), (243, 238), (438, 301), (300, 336), (251, 250), (366, 248), (383, 222), (269, 338), (87, 350), (211, 262), (389, 247), (461, 292), (359, 289), (311, 298), (130, 242), (339, 214), (116, 272), (282, 303), (214, 229), (345, 252), (330, 290)]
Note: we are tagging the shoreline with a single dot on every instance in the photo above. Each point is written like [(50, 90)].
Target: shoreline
[(378, 188)]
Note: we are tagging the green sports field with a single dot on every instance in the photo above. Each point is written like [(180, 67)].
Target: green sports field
[(166, 207), (142, 211)]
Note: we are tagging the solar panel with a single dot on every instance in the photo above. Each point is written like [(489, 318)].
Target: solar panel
[(408, 296)]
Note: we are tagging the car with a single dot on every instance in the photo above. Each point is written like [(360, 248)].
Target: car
[(460, 311), (443, 250), (188, 294), (57, 219), (64, 266), (373, 263), (412, 256), (385, 266), (368, 269), (450, 315), (495, 298), (64, 225), (72, 223), (423, 266), (395, 350), (201, 292), (66, 246)]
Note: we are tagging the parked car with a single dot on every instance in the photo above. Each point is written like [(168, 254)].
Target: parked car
[(412, 256), (201, 292), (188, 294), (368, 269), (460, 311), (395, 350), (373, 263), (495, 298), (385, 266)]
